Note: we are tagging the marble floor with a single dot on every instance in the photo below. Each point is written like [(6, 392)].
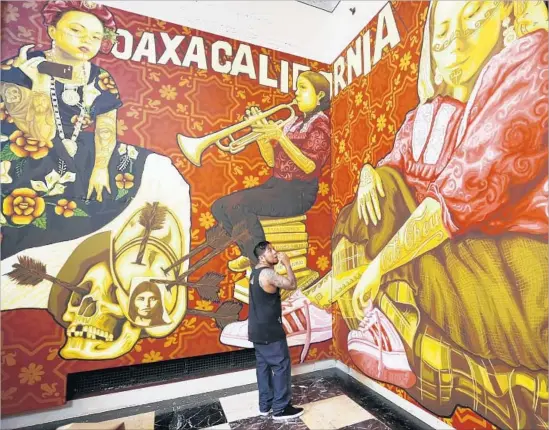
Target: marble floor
[(331, 399)]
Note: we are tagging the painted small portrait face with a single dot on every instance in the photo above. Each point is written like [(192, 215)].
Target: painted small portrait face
[(306, 97), (78, 35), (464, 35), (41, 104), (146, 304)]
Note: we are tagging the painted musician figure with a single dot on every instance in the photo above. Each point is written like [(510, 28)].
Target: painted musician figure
[(297, 154)]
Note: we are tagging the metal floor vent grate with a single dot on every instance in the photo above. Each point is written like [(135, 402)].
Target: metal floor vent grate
[(95, 382)]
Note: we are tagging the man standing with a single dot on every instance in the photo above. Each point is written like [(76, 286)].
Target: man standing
[(265, 331)]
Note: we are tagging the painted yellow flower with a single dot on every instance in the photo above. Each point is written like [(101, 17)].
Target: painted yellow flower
[(405, 61), (151, 357), (8, 64), (168, 92), (65, 208), (323, 188), (206, 220), (250, 181), (358, 99), (106, 83), (204, 305), (23, 205), (322, 262), (32, 374), (124, 181), (381, 122), (23, 146), (121, 127), (341, 146)]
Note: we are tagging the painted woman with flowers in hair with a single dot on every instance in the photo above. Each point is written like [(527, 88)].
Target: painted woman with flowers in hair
[(451, 299), (64, 174)]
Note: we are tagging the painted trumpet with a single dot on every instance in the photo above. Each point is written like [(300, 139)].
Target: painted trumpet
[(194, 147)]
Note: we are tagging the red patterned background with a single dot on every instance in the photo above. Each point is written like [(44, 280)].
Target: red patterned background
[(366, 116), (159, 102)]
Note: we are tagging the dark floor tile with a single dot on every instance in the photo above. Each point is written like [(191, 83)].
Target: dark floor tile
[(387, 412), (315, 389), (206, 415), (367, 425), (267, 423)]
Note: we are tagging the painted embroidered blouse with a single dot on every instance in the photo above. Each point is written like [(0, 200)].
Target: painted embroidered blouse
[(43, 177), (313, 139), (485, 161)]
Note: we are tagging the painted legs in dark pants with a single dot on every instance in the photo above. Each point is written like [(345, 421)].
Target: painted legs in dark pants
[(274, 375), (274, 198)]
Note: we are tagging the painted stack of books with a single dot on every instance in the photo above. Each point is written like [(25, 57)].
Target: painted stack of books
[(288, 235)]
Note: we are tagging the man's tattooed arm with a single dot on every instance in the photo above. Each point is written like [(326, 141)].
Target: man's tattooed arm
[(270, 280)]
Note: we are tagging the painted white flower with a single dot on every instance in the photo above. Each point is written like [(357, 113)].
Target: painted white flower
[(3, 220), (52, 178), (5, 177), (57, 190), (129, 149), (132, 152), (39, 186), (90, 93), (67, 177), (122, 149), (54, 183)]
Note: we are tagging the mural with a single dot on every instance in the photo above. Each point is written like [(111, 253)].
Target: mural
[(141, 160), (440, 264), (297, 150), (116, 253)]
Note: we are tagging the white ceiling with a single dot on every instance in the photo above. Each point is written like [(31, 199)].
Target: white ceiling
[(284, 25)]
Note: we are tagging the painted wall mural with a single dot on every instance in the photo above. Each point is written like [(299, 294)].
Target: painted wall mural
[(140, 162), (440, 259)]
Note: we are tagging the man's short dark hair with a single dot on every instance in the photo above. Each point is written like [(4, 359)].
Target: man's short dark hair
[(260, 248)]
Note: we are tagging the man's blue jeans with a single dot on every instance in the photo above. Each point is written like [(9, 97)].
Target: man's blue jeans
[(274, 375)]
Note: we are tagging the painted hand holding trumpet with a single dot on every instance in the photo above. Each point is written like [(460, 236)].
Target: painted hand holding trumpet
[(266, 129), (261, 130)]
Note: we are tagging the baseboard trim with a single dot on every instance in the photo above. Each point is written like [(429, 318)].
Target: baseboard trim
[(394, 398), (140, 396)]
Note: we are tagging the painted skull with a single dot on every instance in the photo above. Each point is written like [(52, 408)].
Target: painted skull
[(98, 319)]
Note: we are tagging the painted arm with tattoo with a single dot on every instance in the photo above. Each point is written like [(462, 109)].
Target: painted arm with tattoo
[(270, 280), (105, 141), (31, 110), (423, 231)]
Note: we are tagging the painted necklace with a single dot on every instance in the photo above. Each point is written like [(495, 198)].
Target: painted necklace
[(70, 94), (70, 97)]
